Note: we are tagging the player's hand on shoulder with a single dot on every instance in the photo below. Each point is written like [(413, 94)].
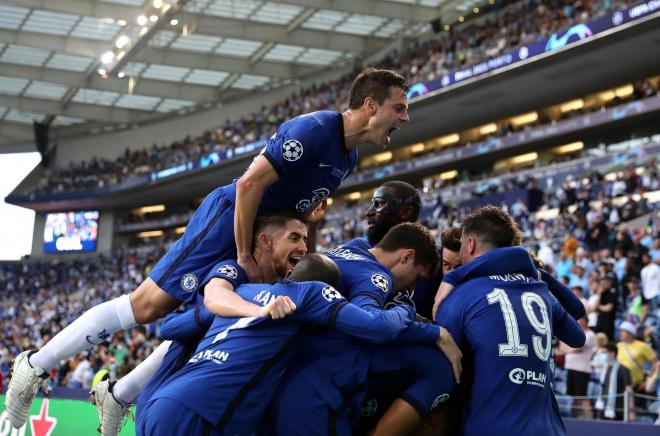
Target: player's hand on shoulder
[(449, 348), (443, 292), (251, 269), (318, 213), (279, 308)]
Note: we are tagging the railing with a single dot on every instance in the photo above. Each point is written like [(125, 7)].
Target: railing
[(629, 412)]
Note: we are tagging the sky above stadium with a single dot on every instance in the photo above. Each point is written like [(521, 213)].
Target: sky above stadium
[(16, 223)]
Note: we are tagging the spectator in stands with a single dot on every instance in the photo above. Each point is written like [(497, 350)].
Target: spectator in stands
[(534, 196), (637, 306), (615, 382), (578, 366), (634, 354), (607, 304), (650, 275)]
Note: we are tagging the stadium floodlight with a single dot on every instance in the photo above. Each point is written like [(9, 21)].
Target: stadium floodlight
[(142, 20), (122, 41), (572, 105), (569, 148), (487, 129), (448, 139), (524, 158), (153, 18), (448, 175), (523, 119), (151, 209), (107, 57), (174, 22), (158, 4), (383, 157), (417, 148), (624, 91), (150, 234)]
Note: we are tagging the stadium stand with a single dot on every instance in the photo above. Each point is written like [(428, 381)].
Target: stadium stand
[(466, 45)]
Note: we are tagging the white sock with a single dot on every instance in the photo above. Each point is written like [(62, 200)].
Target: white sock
[(129, 386), (91, 328)]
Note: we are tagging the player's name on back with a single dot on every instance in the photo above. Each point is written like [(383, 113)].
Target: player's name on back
[(510, 278)]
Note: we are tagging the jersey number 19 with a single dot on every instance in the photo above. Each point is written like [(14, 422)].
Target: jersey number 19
[(513, 347)]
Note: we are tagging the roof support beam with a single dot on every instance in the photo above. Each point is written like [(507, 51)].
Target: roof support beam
[(178, 58), (233, 28), (379, 8), (156, 88), (77, 110)]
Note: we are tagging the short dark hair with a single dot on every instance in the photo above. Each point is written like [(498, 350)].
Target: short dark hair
[(611, 348), (318, 267), (450, 238), (407, 195), (272, 220), (492, 226), (414, 236), (376, 84)]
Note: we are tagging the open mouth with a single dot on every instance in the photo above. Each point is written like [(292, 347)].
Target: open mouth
[(293, 261), (390, 131)]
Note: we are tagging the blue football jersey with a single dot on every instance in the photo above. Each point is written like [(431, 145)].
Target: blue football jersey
[(238, 353), (228, 270), (506, 323), (310, 156), (335, 363), (421, 298)]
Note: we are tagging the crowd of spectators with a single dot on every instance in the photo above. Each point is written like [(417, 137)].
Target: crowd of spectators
[(38, 299), (467, 44), (618, 279)]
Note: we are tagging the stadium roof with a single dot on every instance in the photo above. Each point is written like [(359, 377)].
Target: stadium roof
[(108, 62)]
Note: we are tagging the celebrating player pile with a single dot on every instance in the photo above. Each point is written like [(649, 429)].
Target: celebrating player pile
[(230, 365)]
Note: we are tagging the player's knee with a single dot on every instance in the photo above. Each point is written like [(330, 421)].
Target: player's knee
[(150, 303)]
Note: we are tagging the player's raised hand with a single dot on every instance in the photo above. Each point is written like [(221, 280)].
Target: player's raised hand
[(279, 308), (251, 269), (449, 348)]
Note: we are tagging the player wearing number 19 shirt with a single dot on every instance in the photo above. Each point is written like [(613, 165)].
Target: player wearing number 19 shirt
[(505, 323), (303, 163)]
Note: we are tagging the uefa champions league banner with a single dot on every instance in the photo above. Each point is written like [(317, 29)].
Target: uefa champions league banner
[(53, 417), (558, 40)]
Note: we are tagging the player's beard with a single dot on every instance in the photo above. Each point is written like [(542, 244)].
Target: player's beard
[(381, 226)]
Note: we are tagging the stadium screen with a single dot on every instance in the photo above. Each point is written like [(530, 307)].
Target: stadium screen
[(71, 231)]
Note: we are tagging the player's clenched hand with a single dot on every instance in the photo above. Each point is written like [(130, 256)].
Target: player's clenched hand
[(251, 269), (451, 351), (279, 308)]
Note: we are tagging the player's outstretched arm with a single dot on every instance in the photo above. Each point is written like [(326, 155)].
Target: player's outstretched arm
[(566, 297), (376, 326), (567, 329), (249, 191), (220, 299)]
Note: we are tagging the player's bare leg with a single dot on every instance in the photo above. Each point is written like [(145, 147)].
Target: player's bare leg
[(144, 305)]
